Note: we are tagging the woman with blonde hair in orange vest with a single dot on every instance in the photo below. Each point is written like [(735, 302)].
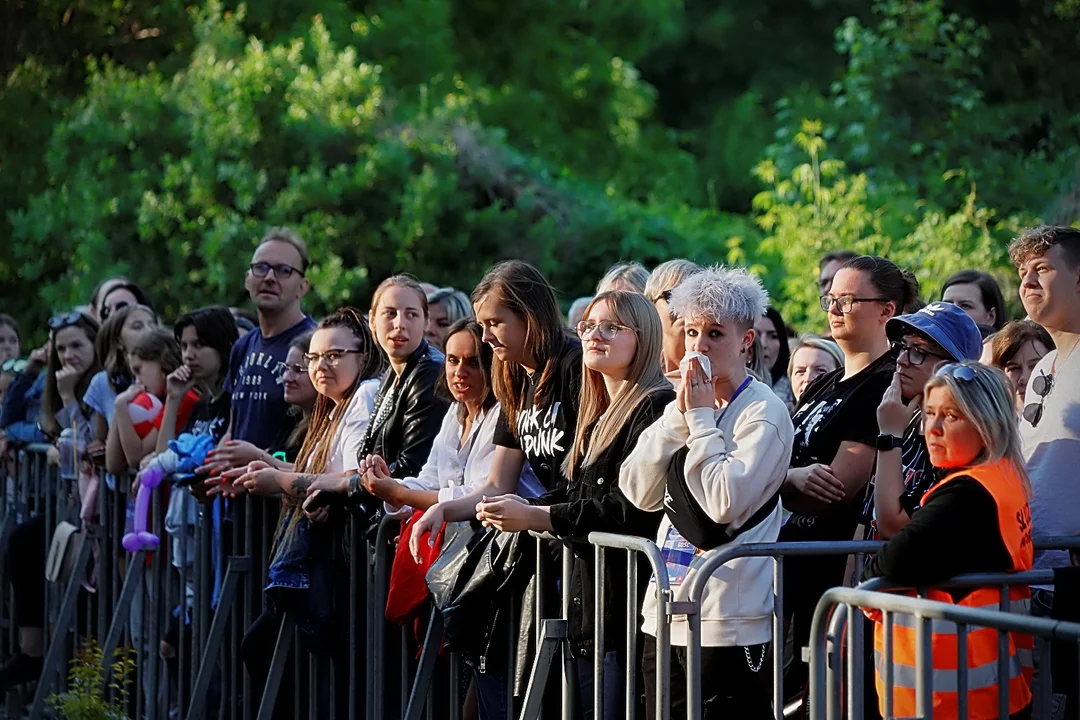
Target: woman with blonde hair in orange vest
[(975, 519)]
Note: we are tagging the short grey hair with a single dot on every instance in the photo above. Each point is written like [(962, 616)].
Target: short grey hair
[(720, 294), (456, 303), (631, 273), (667, 276)]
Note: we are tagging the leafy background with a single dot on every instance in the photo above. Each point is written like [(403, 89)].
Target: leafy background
[(160, 139)]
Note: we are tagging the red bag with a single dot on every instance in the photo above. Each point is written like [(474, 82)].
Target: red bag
[(408, 588)]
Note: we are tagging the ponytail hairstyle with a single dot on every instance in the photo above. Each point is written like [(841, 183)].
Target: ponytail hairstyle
[(897, 286), (483, 353), (215, 328), (158, 346), (50, 400), (524, 291), (601, 418), (112, 356), (984, 397)]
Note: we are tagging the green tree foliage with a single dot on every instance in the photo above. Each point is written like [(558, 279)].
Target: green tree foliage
[(173, 178), (442, 135), (820, 206)]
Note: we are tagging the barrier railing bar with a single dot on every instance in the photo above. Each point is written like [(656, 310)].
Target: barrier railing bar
[(630, 677), (277, 667), (426, 670), (57, 648), (834, 663), (238, 568), (598, 634), (924, 610), (778, 638), (664, 610), (132, 584)]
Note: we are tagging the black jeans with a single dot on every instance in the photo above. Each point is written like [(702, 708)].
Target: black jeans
[(730, 689), (25, 563)]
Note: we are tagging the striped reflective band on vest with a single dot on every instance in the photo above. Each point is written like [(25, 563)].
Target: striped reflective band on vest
[(978, 678)]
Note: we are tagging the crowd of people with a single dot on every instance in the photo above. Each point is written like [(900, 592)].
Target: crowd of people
[(674, 404)]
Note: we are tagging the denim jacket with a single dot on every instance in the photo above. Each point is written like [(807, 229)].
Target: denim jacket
[(303, 567), (21, 408)]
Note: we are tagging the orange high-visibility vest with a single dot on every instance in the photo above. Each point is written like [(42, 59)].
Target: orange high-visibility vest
[(1014, 520)]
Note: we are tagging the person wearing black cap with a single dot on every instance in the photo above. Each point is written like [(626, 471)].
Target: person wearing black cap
[(940, 332)]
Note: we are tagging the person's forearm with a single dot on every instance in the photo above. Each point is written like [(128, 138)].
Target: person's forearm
[(464, 507), (888, 487), (168, 423), (115, 462), (129, 439), (297, 484), (416, 499)]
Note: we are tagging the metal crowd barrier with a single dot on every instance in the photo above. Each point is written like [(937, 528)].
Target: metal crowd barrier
[(839, 604), (214, 593)]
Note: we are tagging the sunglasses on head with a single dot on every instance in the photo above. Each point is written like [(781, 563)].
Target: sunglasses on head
[(14, 365), (1041, 386), (107, 311), (63, 320), (958, 371)]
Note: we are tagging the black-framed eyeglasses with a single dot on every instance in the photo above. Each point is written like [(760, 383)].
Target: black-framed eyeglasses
[(607, 329), (1041, 386), (331, 357), (63, 320), (14, 365), (916, 355), (844, 303), (261, 270)]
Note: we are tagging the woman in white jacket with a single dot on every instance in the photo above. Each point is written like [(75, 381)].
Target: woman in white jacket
[(715, 462), (461, 455)]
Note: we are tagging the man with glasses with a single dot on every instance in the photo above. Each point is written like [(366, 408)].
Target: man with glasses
[(276, 284), (922, 341)]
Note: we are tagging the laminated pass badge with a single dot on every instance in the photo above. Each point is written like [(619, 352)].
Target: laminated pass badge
[(678, 556)]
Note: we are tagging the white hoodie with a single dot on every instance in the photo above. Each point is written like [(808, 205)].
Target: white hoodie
[(731, 470)]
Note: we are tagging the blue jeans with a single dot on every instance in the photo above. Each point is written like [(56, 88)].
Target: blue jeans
[(614, 700), (491, 697)]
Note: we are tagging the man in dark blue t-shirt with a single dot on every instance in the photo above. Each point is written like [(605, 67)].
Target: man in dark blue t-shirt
[(276, 283)]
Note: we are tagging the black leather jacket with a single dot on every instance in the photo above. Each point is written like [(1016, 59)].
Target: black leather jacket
[(405, 436)]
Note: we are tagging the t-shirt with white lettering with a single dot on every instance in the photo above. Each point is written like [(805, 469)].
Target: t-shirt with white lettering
[(255, 384), (546, 432), (1052, 453)]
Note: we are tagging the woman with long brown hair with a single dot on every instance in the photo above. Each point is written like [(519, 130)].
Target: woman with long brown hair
[(623, 392), (536, 373)]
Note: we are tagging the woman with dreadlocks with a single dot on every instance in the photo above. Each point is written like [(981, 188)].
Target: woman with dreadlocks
[(344, 365)]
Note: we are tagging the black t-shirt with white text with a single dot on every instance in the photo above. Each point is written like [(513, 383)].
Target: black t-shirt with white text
[(833, 411), (210, 416), (546, 432)]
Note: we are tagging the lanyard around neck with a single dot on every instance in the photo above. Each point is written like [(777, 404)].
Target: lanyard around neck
[(732, 400)]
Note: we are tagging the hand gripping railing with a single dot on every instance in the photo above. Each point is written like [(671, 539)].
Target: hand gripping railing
[(665, 609), (829, 626)]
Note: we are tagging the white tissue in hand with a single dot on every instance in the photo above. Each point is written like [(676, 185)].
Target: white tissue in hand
[(702, 359)]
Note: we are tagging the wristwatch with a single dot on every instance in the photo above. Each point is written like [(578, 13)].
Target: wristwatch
[(889, 442)]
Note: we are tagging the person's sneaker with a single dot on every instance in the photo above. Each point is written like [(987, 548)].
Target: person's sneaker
[(19, 670)]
